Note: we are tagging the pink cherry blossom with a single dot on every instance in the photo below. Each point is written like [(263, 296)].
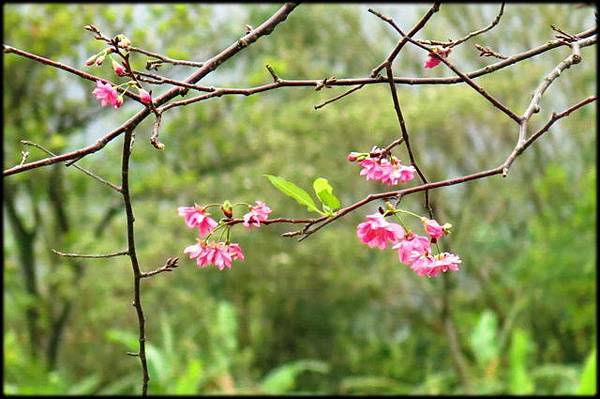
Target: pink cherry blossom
[(398, 173), (431, 266), (258, 213), (376, 231), (411, 247), (236, 251), (145, 96), (433, 228), (195, 216), (390, 173), (118, 68), (219, 254), (432, 61), (435, 56), (106, 94), (375, 169)]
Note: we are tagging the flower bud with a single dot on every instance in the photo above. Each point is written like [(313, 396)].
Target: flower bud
[(92, 60), (119, 102), (353, 156), (145, 96), (227, 209), (123, 41), (100, 59), (118, 68)]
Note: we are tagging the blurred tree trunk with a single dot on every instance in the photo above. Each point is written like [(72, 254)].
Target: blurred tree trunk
[(25, 242)]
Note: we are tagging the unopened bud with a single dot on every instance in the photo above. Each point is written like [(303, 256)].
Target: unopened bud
[(227, 209), (100, 59), (92, 60)]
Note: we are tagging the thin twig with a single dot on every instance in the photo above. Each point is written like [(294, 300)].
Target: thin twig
[(72, 255), (352, 90), (155, 132), (453, 43), (485, 51), (169, 266), (87, 172)]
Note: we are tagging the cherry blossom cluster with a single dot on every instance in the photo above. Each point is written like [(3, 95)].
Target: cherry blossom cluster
[(381, 166), (219, 253), (413, 250), (105, 92)]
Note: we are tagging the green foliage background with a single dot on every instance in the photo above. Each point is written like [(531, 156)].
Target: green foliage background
[(327, 315)]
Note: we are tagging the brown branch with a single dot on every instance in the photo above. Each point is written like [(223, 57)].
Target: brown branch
[(452, 43), (72, 255), (344, 94), (155, 132), (161, 80), (169, 265), (485, 51), (131, 251)]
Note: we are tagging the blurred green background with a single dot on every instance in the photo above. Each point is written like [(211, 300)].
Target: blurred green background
[(327, 315)]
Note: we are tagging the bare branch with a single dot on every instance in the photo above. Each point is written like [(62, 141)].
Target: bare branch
[(72, 255), (87, 172)]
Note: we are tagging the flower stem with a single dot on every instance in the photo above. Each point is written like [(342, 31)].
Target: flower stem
[(408, 212)]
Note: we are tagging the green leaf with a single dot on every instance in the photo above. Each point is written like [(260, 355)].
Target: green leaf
[(587, 384), (520, 383), (293, 191), (325, 193), (282, 379), (483, 339)]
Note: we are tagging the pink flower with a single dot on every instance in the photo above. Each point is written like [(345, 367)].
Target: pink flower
[(434, 229), (434, 57), (390, 173), (432, 61), (398, 173), (431, 266), (118, 68), (219, 254), (411, 247), (376, 231), (258, 213), (145, 97), (374, 169), (106, 94), (195, 216)]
